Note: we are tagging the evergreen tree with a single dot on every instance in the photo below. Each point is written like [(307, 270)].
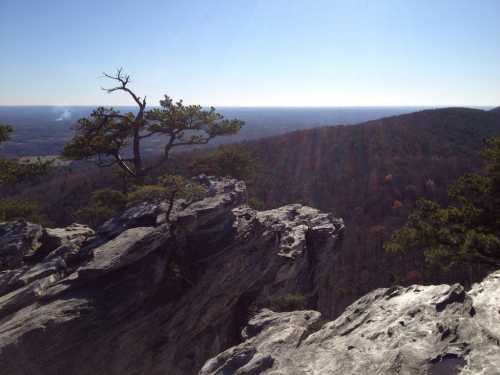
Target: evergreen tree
[(107, 135), (467, 230)]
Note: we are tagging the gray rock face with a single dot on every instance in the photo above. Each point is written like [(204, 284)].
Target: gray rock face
[(75, 233), (23, 242), (294, 223), (143, 296), (147, 297), (143, 214), (415, 330), (18, 239), (127, 248)]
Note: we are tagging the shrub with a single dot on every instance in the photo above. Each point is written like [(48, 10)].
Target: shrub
[(227, 161), (256, 204), (113, 199), (288, 302), (17, 209), (148, 193), (104, 203)]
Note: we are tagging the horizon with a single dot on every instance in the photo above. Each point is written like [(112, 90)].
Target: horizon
[(259, 54), (423, 107)]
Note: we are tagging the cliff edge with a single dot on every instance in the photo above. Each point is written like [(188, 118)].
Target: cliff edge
[(143, 295)]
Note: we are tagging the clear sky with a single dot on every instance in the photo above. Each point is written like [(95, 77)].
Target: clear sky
[(253, 52)]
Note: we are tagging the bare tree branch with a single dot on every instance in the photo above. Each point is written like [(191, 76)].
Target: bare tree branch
[(124, 80), (124, 165)]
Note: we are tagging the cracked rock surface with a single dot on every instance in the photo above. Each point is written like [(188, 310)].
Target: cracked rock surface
[(436, 330), (145, 296)]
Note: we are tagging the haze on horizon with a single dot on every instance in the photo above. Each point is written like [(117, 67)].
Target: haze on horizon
[(257, 53)]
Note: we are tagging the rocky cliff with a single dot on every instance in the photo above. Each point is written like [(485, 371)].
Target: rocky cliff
[(143, 295), (436, 330), (146, 295)]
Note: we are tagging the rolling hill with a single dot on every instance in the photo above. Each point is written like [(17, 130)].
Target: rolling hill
[(372, 174)]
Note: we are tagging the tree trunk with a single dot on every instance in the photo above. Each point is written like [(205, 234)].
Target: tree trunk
[(139, 172)]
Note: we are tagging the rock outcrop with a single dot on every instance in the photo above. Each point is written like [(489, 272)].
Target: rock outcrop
[(29, 252), (436, 330), (146, 295)]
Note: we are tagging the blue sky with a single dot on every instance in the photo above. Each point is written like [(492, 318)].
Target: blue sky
[(253, 52)]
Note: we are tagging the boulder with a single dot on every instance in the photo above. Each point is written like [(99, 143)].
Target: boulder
[(24, 296), (75, 233), (18, 240), (128, 247), (143, 214), (18, 278), (27, 243)]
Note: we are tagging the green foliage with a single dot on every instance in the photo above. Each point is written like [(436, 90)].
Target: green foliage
[(256, 204), (113, 199), (168, 187), (104, 203), (191, 123), (17, 209), (103, 134), (148, 193), (5, 131), (107, 134), (94, 215), (467, 231), (183, 188), (12, 172), (288, 302), (227, 161)]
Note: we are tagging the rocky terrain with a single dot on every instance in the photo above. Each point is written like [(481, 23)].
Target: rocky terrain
[(436, 330), (147, 295)]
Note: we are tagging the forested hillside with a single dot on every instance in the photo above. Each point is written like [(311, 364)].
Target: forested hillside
[(365, 168), (371, 175)]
